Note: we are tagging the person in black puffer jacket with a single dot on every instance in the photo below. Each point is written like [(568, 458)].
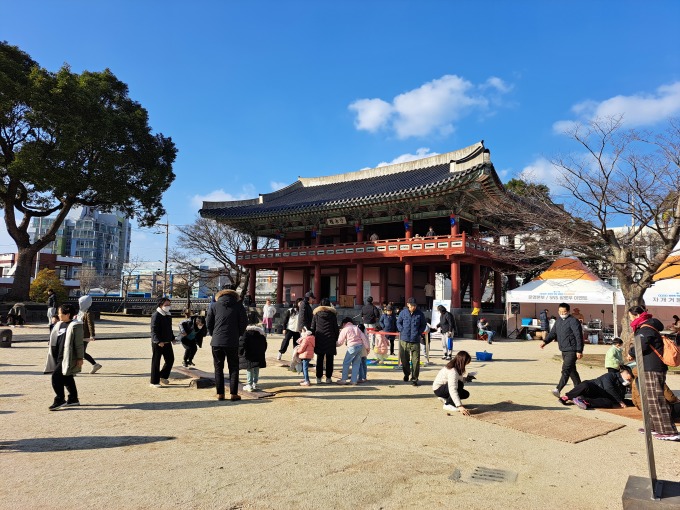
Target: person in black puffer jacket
[(647, 328), (226, 321), (326, 331), (606, 391), (251, 351)]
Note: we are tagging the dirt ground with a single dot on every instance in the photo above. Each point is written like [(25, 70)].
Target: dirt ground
[(385, 444)]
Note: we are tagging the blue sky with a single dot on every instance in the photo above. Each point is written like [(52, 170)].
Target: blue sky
[(257, 93)]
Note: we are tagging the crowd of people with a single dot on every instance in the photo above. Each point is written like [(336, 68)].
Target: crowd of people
[(239, 338)]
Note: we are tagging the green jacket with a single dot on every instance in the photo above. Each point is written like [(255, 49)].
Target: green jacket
[(613, 358)]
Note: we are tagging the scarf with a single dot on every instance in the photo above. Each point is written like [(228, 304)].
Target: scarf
[(639, 320)]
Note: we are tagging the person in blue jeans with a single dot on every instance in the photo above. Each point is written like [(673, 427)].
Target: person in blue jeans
[(485, 329), (356, 341), (411, 324)]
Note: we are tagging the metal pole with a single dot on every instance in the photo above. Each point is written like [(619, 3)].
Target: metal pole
[(165, 268)]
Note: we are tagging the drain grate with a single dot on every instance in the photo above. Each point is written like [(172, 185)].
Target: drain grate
[(489, 475)]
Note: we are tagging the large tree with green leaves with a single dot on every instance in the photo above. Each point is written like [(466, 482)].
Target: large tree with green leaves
[(68, 140)]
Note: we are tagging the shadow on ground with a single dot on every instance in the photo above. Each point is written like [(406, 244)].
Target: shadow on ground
[(60, 444)]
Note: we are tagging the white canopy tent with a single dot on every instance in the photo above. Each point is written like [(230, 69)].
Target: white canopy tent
[(666, 289)]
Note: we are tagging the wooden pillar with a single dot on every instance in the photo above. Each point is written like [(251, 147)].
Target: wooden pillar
[(476, 286), (455, 284), (305, 281), (408, 279), (455, 229), (342, 281), (409, 230), (359, 290), (360, 233), (252, 280), (317, 281), (512, 281), (497, 289), (279, 286), (384, 275)]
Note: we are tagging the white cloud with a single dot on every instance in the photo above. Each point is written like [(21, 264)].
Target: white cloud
[(423, 152), (636, 110), (277, 185), (435, 106), (219, 195), (542, 171)]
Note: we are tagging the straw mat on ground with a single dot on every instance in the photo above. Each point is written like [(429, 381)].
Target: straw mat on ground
[(629, 412), (561, 424)]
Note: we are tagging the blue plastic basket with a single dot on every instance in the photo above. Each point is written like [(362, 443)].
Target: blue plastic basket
[(484, 356)]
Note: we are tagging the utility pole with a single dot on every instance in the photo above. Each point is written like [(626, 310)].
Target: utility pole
[(165, 265)]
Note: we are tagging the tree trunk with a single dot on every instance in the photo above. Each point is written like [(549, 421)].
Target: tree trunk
[(23, 274)]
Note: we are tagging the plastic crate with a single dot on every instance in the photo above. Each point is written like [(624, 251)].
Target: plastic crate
[(484, 356)]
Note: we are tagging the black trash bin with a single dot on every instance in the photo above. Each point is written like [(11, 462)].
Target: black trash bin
[(6, 338)]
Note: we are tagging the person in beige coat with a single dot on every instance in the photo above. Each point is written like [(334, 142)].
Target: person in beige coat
[(65, 357)]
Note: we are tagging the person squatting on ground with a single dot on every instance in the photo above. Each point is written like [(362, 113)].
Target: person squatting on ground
[(608, 390), (411, 324), (450, 381), (485, 329), (614, 357), (85, 317), (370, 316), (268, 313), (325, 330), (388, 324), (306, 354), (17, 315), (647, 329), (192, 331), (65, 357), (356, 341), (252, 350), (569, 334), (445, 326), (226, 322), (161, 343), (292, 325)]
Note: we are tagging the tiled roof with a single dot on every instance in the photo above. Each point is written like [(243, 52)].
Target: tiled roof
[(297, 198)]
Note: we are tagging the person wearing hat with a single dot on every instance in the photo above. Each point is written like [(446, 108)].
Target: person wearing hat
[(306, 310), (370, 315), (388, 324), (411, 324)]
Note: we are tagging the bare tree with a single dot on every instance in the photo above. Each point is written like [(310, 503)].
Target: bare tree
[(108, 283), (618, 177), (220, 243), (89, 279)]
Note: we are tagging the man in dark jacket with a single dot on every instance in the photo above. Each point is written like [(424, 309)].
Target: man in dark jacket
[(226, 322), (161, 343), (370, 315), (326, 331), (306, 310), (606, 391), (411, 324), (569, 334)]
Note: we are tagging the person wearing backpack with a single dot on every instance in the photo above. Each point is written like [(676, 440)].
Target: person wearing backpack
[(370, 316), (647, 328)]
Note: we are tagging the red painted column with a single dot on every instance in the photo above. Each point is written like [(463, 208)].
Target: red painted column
[(317, 281), (455, 284), (497, 289), (408, 279), (279, 286), (476, 286), (252, 280), (455, 228), (359, 290), (342, 281), (305, 281), (360, 234), (384, 275)]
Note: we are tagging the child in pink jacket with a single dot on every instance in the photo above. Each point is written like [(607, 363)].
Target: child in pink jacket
[(306, 353), (356, 341), (381, 348)]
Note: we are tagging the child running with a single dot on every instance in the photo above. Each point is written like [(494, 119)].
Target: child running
[(448, 385), (251, 351)]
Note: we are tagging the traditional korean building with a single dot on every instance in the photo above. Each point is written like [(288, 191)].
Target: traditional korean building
[(356, 234)]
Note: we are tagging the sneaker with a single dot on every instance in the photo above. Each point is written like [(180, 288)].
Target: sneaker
[(155, 385), (341, 382), (185, 364), (318, 380), (72, 403), (450, 408), (191, 363), (555, 392), (235, 398), (361, 381), (667, 437), (57, 405), (445, 356), (305, 383), (165, 382), (328, 380), (564, 400), (580, 403), (278, 356), (442, 400), (95, 368), (247, 387), (415, 382), (254, 386)]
